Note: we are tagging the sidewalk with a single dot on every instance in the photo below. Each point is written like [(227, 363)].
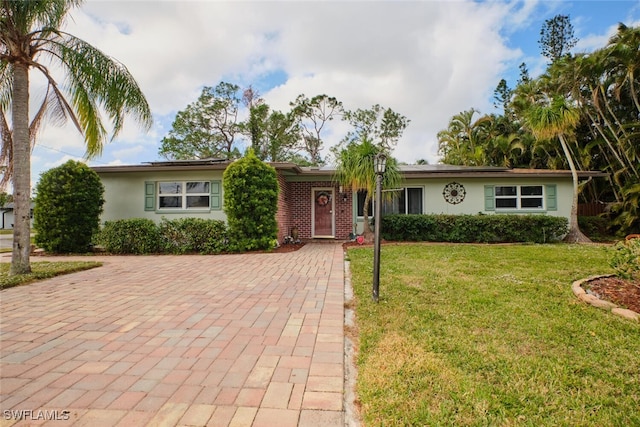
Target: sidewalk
[(229, 340)]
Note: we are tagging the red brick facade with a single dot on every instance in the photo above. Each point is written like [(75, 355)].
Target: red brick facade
[(283, 216), (295, 209)]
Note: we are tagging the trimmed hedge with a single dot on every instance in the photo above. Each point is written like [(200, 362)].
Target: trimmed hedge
[(186, 235), (474, 228), (130, 236), (178, 236)]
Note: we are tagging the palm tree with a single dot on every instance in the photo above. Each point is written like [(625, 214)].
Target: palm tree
[(356, 171), (462, 142), (551, 119), (31, 38), (623, 49)]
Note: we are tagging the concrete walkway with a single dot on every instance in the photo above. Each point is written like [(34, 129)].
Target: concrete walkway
[(229, 340)]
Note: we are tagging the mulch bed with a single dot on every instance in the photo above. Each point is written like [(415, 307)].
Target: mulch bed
[(625, 293)]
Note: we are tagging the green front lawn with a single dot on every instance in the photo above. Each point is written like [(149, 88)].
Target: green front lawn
[(42, 270), (491, 335)]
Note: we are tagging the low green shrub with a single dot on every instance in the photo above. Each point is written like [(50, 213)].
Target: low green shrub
[(474, 228), (626, 259), (186, 235), (130, 236), (178, 236)]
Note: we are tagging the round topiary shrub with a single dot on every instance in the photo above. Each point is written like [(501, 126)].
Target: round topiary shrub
[(251, 203), (68, 204)]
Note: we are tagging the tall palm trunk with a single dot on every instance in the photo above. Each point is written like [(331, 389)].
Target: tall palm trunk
[(575, 235), (611, 126), (21, 161), (606, 139)]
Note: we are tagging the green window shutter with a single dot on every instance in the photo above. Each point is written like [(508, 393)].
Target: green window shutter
[(552, 199), (149, 196), (216, 195), (489, 198)]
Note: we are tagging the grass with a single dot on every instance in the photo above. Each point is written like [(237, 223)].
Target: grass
[(491, 335), (42, 270)]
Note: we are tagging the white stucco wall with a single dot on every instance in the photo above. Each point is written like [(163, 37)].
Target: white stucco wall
[(125, 195), (474, 201)]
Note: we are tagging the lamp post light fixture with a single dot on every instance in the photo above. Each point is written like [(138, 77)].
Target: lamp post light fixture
[(380, 166)]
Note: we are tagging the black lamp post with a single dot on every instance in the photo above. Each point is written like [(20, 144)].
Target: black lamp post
[(380, 166)]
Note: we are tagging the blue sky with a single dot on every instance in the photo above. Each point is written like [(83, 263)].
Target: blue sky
[(425, 59)]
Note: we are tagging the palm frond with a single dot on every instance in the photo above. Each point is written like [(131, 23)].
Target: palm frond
[(6, 150), (6, 85), (96, 81)]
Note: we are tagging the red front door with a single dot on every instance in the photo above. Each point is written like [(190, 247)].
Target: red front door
[(322, 213)]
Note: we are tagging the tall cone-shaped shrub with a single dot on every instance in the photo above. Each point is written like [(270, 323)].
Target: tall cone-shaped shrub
[(250, 203)]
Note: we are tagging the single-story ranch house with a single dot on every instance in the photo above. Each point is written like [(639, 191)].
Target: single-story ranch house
[(319, 208)]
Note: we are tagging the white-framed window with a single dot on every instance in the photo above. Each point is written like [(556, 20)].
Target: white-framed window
[(519, 197), (184, 195), (407, 200)]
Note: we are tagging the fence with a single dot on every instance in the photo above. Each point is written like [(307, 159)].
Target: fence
[(591, 209)]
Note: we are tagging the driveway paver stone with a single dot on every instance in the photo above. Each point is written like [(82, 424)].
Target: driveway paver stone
[(250, 340)]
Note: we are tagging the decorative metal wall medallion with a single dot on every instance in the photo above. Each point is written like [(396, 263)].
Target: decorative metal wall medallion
[(454, 193)]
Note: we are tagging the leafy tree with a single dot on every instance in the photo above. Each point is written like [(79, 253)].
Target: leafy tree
[(31, 38), (311, 116), (524, 74), (256, 128), (273, 134), (207, 128), (502, 96), (251, 203), (383, 126), (5, 198), (282, 134), (68, 205), (557, 37)]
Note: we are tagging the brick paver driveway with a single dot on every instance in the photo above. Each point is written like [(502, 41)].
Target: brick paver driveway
[(226, 340)]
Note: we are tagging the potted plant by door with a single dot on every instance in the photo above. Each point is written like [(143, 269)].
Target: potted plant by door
[(295, 234)]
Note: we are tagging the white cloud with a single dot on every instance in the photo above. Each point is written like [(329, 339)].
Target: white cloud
[(427, 60)]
